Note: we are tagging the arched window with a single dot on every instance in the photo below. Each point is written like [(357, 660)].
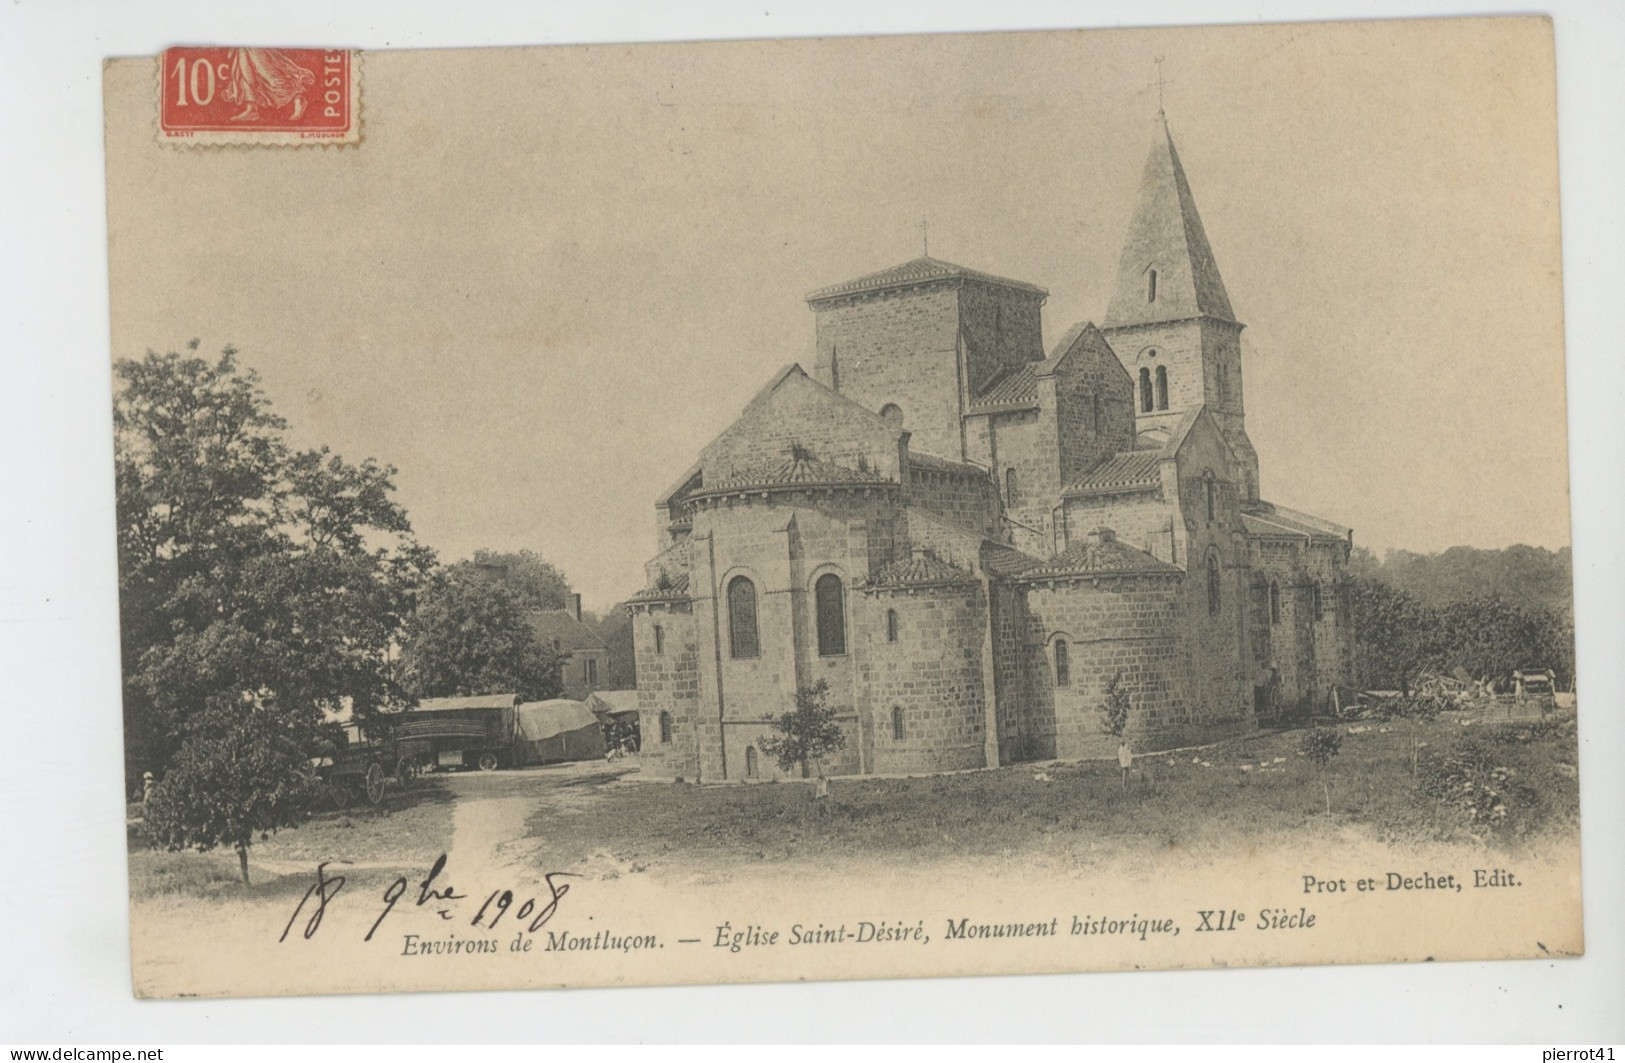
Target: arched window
[(1063, 663), (660, 640), (834, 368), (1010, 487), (1213, 584), (1316, 606), (893, 414), (1162, 387), (1145, 390), (1096, 410), (665, 728), (742, 640), (750, 762), (1275, 602), (891, 625), (1211, 493), (897, 723), (831, 606), (1151, 286)]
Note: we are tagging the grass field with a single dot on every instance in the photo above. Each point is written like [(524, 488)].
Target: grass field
[(1257, 790)]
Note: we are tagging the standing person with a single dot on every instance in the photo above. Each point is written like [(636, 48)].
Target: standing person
[(147, 786), (1125, 759)]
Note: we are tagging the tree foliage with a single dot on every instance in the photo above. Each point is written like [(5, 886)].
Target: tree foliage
[(808, 733), (249, 573), (471, 634), (538, 585), (1115, 707), (243, 771)]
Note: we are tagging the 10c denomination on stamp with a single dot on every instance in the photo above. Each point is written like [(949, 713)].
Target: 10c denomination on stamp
[(258, 96)]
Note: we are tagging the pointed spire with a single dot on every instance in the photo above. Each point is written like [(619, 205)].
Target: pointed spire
[(1167, 271)]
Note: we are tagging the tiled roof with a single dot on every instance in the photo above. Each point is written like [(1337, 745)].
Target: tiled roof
[(800, 468), (1271, 522), (1129, 470), (919, 271), (570, 633), (1099, 554), (1006, 561), (1014, 387), (922, 569), (676, 587)]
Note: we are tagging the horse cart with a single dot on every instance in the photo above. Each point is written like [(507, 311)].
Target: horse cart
[(358, 762)]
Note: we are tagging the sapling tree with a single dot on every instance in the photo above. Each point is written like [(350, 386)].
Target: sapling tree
[(1320, 746), (807, 734), (1115, 709)]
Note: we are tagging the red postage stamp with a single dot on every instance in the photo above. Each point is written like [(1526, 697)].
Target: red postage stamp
[(258, 96)]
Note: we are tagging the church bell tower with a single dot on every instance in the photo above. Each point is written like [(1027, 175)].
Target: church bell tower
[(1170, 319)]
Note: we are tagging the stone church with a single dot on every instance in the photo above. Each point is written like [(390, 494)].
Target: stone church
[(970, 539)]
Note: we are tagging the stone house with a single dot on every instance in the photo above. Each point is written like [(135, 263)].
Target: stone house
[(586, 656), (969, 539)]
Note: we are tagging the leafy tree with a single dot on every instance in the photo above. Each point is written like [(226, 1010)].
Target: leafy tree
[(244, 771), (615, 628), (1115, 708), (807, 734), (1320, 746), (471, 634), (248, 572), (538, 585), (1395, 636)]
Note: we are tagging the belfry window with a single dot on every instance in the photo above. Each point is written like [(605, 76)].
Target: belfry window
[(897, 723), (1275, 602), (1213, 601), (891, 625), (1210, 491), (742, 638), (1151, 286), (1063, 663), (830, 601), (1162, 387), (1095, 406), (1145, 390)]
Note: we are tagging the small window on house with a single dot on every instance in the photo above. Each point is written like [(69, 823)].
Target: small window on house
[(590, 671), (1010, 500), (742, 640), (665, 728), (893, 414), (1316, 606), (897, 723), (750, 762), (1063, 663), (1151, 286), (1275, 602), (891, 625), (1162, 387), (1145, 390), (660, 640), (830, 602), (1213, 602)]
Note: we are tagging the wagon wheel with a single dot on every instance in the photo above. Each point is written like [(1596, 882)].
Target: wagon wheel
[(374, 783), (488, 762), (339, 791), (406, 771)]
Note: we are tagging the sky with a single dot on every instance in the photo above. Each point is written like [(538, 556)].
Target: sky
[(547, 277)]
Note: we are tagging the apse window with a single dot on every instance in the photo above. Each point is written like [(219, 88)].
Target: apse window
[(830, 601), (1063, 663), (742, 640), (665, 728), (1151, 286), (897, 723)]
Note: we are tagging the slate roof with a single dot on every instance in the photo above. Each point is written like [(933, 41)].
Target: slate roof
[(677, 587), (920, 570), (797, 469), (919, 271), (1099, 554), (1269, 521), (1166, 234), (572, 634), (1013, 387), (1129, 470)]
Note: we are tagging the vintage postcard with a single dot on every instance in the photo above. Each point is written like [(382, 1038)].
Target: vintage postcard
[(844, 508)]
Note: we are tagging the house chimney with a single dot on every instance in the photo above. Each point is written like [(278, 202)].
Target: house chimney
[(575, 606)]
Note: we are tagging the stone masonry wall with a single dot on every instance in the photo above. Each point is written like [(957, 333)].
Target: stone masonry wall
[(668, 681), (932, 673)]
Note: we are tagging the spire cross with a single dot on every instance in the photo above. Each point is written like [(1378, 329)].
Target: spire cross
[(925, 237)]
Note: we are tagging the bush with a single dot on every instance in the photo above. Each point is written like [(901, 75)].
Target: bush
[(1321, 745)]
